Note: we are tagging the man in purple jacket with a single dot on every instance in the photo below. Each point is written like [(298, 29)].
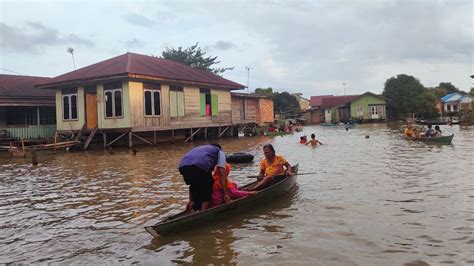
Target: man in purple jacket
[(196, 168)]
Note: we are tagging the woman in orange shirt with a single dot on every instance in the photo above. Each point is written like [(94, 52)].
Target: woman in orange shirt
[(273, 165)]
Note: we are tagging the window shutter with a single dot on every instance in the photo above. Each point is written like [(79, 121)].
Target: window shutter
[(215, 105), (202, 98), (180, 100), (173, 104)]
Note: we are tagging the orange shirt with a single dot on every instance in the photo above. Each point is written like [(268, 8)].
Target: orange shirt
[(274, 169), (217, 179)]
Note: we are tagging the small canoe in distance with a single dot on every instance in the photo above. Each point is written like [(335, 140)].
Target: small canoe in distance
[(441, 139), (188, 220), (276, 133), (239, 157)]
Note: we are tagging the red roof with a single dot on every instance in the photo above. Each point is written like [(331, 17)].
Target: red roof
[(316, 100), (130, 64), (332, 101), (15, 86)]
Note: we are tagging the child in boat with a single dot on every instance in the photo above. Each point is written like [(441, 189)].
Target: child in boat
[(409, 131), (234, 192), (313, 141), (437, 131)]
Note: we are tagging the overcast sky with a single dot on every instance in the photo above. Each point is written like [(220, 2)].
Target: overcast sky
[(312, 47)]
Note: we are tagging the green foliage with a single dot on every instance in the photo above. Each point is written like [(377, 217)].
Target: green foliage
[(194, 57), (408, 96), (282, 102), (472, 92), (266, 92), (446, 88)]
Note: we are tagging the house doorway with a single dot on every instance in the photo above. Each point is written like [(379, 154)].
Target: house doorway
[(91, 106)]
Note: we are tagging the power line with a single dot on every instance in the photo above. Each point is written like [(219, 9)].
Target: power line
[(10, 71)]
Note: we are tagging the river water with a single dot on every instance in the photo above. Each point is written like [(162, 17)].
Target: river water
[(377, 201)]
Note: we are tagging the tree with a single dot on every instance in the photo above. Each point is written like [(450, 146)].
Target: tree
[(408, 96), (282, 102), (472, 91), (194, 57), (286, 103), (266, 92)]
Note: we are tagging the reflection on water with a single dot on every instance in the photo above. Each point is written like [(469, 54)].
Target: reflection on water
[(382, 200)]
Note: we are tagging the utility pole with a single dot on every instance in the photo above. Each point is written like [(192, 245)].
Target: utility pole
[(71, 51), (248, 77), (345, 99)]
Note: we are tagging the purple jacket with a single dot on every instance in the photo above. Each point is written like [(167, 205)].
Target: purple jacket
[(204, 157)]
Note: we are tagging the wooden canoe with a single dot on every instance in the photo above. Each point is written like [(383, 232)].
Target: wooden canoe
[(441, 139), (276, 133), (187, 220)]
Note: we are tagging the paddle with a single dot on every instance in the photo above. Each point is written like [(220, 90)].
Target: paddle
[(310, 173)]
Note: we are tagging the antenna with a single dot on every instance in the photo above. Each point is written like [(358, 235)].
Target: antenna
[(248, 77), (71, 51)]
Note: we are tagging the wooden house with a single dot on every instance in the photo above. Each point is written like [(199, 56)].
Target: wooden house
[(251, 109), (26, 113), (134, 95), (367, 107)]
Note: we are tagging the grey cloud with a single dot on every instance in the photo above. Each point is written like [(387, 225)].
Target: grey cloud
[(138, 20), (34, 37), (134, 43), (223, 45)]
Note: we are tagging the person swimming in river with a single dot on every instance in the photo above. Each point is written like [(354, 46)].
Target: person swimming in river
[(303, 140), (313, 141)]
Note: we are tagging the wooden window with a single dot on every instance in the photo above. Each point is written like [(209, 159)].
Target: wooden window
[(69, 106), (152, 99), (47, 115), (113, 100), (209, 103), (176, 101), (360, 110)]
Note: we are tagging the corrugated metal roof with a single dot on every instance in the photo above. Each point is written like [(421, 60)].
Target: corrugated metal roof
[(451, 97), (332, 101), (23, 86), (316, 100), (137, 64)]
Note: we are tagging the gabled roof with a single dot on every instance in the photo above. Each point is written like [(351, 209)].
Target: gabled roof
[(132, 65), (18, 90), (316, 100), (23, 86), (451, 97), (247, 95), (332, 101)]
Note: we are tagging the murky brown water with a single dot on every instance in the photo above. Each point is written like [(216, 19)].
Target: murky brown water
[(377, 201)]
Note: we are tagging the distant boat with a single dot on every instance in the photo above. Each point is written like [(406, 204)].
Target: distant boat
[(439, 140), (437, 121)]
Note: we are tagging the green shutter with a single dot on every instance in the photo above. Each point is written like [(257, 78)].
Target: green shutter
[(202, 98), (215, 105)]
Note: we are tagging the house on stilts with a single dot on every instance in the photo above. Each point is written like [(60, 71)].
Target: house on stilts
[(134, 97)]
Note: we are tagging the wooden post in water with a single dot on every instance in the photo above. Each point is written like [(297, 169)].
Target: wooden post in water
[(34, 158), (104, 136), (172, 136), (130, 141), (154, 138), (23, 148), (205, 133)]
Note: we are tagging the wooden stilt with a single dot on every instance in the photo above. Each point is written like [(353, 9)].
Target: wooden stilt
[(190, 138), (219, 132), (130, 139), (205, 133), (34, 158), (144, 140), (23, 148), (104, 137), (55, 139), (172, 136), (154, 138), (113, 141)]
